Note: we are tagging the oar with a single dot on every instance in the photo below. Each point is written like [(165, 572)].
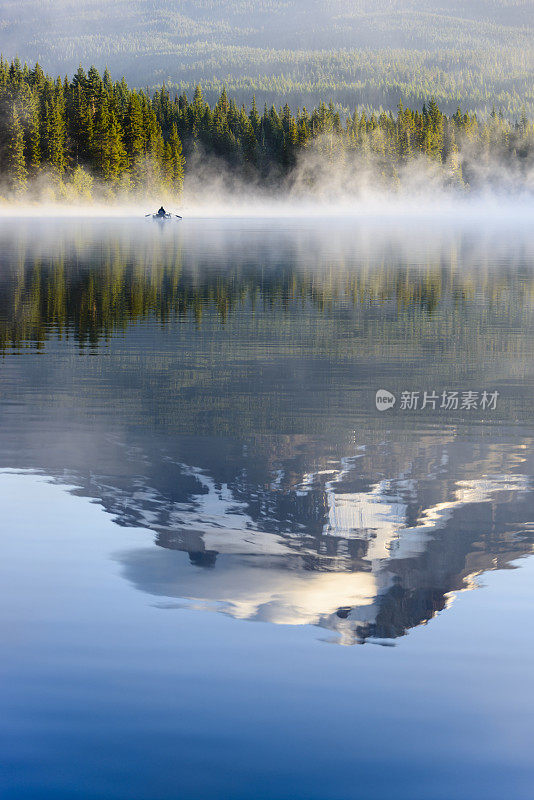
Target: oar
[(148, 215), (179, 217)]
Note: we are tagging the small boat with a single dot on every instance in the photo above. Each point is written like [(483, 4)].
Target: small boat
[(162, 217)]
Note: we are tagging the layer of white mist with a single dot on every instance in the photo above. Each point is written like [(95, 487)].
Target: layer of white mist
[(242, 206)]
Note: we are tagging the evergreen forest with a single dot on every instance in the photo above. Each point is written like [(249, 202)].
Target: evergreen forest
[(90, 137)]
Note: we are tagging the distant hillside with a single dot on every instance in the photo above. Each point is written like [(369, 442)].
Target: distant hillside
[(475, 53)]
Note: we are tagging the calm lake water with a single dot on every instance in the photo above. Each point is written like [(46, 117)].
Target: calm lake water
[(225, 573)]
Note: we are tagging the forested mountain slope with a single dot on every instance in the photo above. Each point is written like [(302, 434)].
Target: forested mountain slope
[(368, 52)]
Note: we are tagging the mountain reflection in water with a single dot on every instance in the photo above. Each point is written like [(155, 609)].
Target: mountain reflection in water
[(215, 385)]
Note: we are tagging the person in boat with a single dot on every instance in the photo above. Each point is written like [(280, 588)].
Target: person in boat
[(161, 212)]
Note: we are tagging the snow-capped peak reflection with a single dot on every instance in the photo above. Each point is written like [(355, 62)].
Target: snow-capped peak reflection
[(374, 559)]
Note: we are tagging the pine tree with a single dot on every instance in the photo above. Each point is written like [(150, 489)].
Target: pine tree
[(134, 136), (100, 137), (254, 117), (291, 138), (95, 88), (115, 160), (451, 156), (198, 104), (56, 137), (17, 160), (4, 73), (108, 83), (37, 77), (34, 149), (222, 105), (174, 160), (108, 148)]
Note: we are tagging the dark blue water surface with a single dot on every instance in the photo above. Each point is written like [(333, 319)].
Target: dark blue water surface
[(190, 446)]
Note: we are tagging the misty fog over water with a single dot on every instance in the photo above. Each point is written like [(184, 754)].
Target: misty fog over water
[(190, 446)]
